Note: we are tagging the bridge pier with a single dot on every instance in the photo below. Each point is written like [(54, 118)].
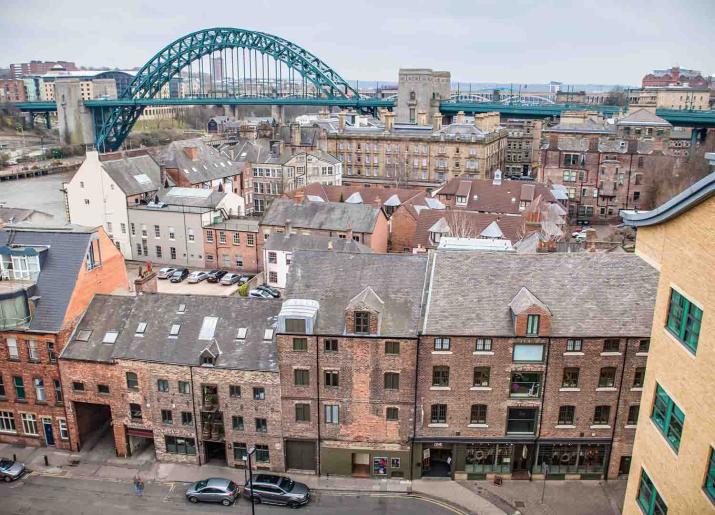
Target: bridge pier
[(74, 120), (278, 113)]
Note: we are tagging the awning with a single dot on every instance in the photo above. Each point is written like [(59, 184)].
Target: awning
[(141, 433)]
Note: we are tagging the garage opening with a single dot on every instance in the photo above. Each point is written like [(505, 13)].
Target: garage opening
[(215, 453), (300, 455), (140, 444), (361, 464), (93, 422)]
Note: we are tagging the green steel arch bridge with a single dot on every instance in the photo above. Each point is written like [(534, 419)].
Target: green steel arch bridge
[(231, 66)]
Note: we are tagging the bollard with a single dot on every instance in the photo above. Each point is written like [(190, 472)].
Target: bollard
[(47, 462), (14, 457)]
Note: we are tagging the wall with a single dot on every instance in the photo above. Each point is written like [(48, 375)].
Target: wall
[(74, 119), (377, 241), (188, 253), (219, 251)]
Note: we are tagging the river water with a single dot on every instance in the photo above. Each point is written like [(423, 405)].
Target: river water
[(40, 193)]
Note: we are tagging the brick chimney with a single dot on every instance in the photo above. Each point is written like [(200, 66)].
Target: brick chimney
[(146, 282), (295, 134), (341, 121), (421, 118), (298, 197), (192, 152), (437, 121)]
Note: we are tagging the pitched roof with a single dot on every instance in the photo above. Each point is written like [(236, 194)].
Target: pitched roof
[(367, 298), (59, 267), (135, 174), (374, 196), (589, 294), (16, 214), (396, 279), (192, 197), (292, 242), (329, 216), (244, 224), (523, 300), (470, 225), (209, 164), (484, 195), (643, 117)]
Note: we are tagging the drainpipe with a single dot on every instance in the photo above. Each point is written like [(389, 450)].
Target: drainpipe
[(414, 410), (543, 398), (317, 392), (193, 410), (615, 416)]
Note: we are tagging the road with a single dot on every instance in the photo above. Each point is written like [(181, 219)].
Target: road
[(45, 495)]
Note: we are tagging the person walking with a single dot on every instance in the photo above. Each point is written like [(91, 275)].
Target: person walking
[(141, 487), (138, 486)]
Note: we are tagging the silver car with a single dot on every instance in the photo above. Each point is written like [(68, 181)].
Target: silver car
[(11, 470), (214, 489), (198, 276), (165, 273)]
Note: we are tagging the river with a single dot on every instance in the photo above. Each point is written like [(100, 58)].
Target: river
[(40, 193)]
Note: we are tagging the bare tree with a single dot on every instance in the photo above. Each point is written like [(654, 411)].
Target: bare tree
[(460, 224), (397, 172), (616, 97)]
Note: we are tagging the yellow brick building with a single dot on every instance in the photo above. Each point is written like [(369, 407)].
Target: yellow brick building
[(673, 466)]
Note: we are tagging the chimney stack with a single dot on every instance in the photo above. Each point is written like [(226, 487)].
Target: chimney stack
[(460, 117), (421, 118), (289, 227), (437, 121), (299, 196), (295, 134), (350, 234), (341, 121), (389, 121)]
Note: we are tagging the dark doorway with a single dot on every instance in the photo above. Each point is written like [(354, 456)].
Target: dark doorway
[(92, 421), (300, 455), (49, 434), (522, 459), (439, 463), (361, 464), (625, 466), (215, 453)]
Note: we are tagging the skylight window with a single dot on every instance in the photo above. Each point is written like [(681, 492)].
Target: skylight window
[(241, 334), (268, 334), (110, 337), (182, 308), (83, 336), (141, 328), (175, 328), (142, 179), (208, 328)]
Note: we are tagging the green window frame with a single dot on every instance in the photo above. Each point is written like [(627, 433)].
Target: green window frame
[(648, 497), (684, 320), (709, 485), (532, 324), (667, 417)]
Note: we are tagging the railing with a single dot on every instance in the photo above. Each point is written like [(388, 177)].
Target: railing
[(525, 389)]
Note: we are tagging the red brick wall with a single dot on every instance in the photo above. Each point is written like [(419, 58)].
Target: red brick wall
[(402, 230), (249, 254)]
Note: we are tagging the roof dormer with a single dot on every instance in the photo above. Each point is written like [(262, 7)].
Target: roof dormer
[(363, 313), (532, 318)]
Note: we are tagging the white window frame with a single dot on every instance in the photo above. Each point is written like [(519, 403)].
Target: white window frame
[(7, 422), (64, 431), (29, 422), (12, 347)]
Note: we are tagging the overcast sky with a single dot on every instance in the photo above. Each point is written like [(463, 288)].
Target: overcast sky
[(572, 41)]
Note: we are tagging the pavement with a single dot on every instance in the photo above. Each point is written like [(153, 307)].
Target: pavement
[(184, 287)]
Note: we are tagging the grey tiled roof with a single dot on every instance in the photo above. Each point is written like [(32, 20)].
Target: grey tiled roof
[(210, 164), (588, 294), (236, 224), (334, 279), (124, 171), (294, 242), (59, 269), (329, 216)]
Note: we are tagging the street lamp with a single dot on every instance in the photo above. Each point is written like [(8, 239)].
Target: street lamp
[(251, 452)]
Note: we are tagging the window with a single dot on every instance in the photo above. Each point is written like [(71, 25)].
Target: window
[(172, 252), (331, 378), (302, 412), (633, 412), (141, 328), (174, 330), (162, 385), (259, 393), (478, 414), (330, 345), (222, 237), (481, 376), (12, 348), (7, 422), (135, 411), (29, 424), (362, 322), (64, 432), (440, 376), (158, 251), (638, 377), (441, 344), (684, 320), (392, 381), (300, 344), (250, 239), (528, 353), (234, 390), (184, 387), (567, 415), (103, 389), (240, 451), (332, 414), (644, 345), (236, 238), (123, 228), (32, 350), (261, 425), (521, 420), (438, 414), (710, 477), (668, 417), (58, 391), (392, 414), (601, 415), (607, 377), (133, 229), (569, 175), (2, 387), (572, 159), (262, 454), (301, 377), (187, 418), (157, 232), (272, 257), (191, 235), (132, 381), (139, 249), (648, 497), (532, 325), (611, 345), (19, 388), (574, 345), (78, 386), (295, 325), (167, 416), (483, 344), (392, 347), (179, 445), (40, 394), (570, 379)]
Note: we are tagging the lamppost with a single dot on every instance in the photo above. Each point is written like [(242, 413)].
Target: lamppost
[(250, 453)]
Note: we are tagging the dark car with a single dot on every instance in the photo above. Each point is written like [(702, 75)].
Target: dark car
[(179, 275), (11, 470), (214, 489), (216, 275), (272, 489), (270, 291)]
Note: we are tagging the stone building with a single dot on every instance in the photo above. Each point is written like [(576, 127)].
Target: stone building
[(673, 467), (48, 276), (194, 377), (522, 147), (347, 358), (671, 97), (420, 90)]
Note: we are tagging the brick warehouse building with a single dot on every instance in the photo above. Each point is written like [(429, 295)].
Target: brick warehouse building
[(193, 376), (47, 278)]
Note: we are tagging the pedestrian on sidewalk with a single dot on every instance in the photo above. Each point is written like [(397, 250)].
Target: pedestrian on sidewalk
[(138, 486)]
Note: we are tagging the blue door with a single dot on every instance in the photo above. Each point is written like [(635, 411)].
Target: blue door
[(49, 437)]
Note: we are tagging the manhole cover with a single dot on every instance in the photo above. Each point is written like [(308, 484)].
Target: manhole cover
[(519, 504)]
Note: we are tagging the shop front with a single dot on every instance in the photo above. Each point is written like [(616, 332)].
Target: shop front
[(571, 460), (364, 462)]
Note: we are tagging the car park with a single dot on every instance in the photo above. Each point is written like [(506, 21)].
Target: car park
[(215, 489), (197, 276), (259, 294), (179, 275), (273, 489), (11, 470), (215, 276), (244, 278), (270, 291), (230, 278), (165, 272)]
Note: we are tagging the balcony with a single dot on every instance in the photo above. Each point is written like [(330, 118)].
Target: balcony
[(525, 385)]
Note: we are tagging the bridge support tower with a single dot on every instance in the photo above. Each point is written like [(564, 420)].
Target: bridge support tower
[(420, 90), (278, 113), (73, 118)]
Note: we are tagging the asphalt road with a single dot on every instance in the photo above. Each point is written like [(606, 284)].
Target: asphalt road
[(44, 495)]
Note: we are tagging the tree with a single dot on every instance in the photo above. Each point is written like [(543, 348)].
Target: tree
[(243, 290), (616, 97)]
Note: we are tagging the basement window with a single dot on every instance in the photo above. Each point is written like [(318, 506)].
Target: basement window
[(110, 337)]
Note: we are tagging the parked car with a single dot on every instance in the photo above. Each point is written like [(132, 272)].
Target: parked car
[(580, 237), (230, 278), (215, 489), (216, 275), (165, 272), (197, 276), (270, 291), (259, 294), (272, 489), (11, 470), (245, 278), (179, 275)]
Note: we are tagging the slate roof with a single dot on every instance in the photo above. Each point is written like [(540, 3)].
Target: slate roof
[(587, 126), (589, 294), (475, 223), (210, 164), (524, 300), (484, 195), (160, 312), (191, 197), (293, 242), (59, 267), (130, 173), (236, 224), (104, 313), (249, 150), (334, 279), (643, 117), (329, 216), (17, 214)]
